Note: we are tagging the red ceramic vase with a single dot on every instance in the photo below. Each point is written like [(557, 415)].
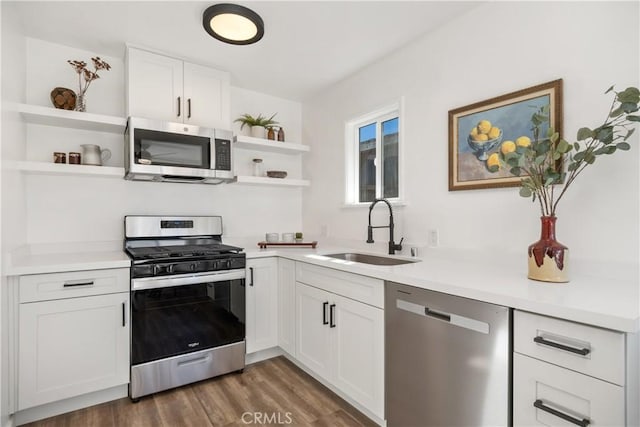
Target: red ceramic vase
[(548, 258)]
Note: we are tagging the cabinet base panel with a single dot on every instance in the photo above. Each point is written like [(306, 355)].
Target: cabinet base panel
[(67, 405), (350, 401)]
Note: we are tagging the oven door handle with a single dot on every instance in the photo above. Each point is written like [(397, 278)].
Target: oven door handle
[(185, 279)]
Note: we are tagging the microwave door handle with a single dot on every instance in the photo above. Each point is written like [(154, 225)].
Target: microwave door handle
[(212, 157)]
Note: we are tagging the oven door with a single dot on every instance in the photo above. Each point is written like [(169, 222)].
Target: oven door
[(174, 315)]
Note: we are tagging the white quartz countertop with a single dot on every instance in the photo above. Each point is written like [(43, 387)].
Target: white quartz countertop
[(591, 297), (594, 296), (40, 259)]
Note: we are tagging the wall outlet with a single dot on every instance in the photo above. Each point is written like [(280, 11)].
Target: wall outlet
[(434, 238), (323, 231)]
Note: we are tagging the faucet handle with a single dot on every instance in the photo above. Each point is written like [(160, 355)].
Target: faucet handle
[(399, 245)]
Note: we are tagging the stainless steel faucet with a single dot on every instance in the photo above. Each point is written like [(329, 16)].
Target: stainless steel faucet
[(392, 245)]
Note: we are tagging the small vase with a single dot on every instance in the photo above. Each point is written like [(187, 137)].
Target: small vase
[(81, 102), (548, 258)]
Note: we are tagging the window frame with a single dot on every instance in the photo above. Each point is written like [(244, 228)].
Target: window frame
[(352, 141)]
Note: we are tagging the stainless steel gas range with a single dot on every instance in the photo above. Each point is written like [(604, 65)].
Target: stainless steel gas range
[(187, 302)]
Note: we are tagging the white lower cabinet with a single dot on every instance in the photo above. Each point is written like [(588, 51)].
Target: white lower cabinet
[(313, 346), (342, 340), (567, 373), (72, 346), (548, 395), (287, 305), (262, 304)]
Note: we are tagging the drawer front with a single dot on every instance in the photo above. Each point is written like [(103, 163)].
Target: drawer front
[(587, 349), (563, 397), (360, 288), (42, 287)]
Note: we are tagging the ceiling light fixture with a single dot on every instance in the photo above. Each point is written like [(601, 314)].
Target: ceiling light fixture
[(233, 24)]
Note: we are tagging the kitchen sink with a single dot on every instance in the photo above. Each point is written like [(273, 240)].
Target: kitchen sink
[(370, 259)]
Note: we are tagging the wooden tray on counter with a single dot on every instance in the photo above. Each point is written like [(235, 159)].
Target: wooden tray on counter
[(312, 245)]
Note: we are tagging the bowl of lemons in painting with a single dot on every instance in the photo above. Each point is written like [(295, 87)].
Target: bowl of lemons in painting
[(483, 137)]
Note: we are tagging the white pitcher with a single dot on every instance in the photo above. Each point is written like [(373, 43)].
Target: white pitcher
[(93, 155)]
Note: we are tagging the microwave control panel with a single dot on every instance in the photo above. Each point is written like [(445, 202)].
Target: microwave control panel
[(223, 154)]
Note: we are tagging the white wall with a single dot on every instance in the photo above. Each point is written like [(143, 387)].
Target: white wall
[(12, 212), (496, 48), (71, 209)]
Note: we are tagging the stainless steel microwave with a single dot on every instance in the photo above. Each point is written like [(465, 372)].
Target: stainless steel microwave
[(177, 152)]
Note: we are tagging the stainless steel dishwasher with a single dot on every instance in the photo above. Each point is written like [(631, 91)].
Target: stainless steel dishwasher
[(448, 360)]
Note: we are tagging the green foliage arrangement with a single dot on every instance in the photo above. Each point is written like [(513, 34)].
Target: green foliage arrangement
[(249, 120), (543, 159)]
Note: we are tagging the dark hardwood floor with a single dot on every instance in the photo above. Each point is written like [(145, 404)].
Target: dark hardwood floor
[(272, 392)]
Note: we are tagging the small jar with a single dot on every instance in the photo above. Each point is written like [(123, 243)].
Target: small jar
[(257, 167), (59, 157)]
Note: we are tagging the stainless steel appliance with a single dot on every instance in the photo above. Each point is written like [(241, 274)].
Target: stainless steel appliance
[(448, 360), (176, 152), (187, 302)]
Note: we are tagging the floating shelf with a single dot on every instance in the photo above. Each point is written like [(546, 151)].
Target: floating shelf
[(260, 144), (71, 119), (46, 168), (282, 182)]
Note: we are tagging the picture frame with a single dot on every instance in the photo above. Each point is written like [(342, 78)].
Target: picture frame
[(499, 120)]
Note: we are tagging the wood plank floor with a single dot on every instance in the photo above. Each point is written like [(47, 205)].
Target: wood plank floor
[(271, 392)]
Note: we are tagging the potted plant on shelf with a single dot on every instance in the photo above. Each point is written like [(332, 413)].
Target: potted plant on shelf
[(539, 160), (258, 125)]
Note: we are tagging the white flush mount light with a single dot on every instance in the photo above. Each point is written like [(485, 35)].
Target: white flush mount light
[(233, 24)]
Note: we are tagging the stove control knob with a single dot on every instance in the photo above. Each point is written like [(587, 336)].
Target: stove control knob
[(228, 263), (170, 268), (192, 267)]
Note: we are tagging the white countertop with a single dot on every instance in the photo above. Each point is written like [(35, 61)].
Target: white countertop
[(501, 279), (591, 297)]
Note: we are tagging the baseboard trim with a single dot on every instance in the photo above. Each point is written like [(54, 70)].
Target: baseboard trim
[(261, 355), (67, 405)]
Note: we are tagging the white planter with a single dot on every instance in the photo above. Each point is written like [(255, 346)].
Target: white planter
[(258, 131)]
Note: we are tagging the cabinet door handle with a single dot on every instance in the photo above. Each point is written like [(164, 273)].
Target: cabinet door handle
[(188, 108), (332, 315), (251, 276), (324, 313), (580, 351), (179, 102), (72, 284), (583, 422), (124, 320)]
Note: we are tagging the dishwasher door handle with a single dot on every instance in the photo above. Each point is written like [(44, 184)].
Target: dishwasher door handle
[(450, 318), (437, 314)]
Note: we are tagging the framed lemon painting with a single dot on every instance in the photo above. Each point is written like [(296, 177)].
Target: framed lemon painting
[(480, 132)]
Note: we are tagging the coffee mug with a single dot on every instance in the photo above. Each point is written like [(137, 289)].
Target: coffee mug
[(271, 237), (287, 237)]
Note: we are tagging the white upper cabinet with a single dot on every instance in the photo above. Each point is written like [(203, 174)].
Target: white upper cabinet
[(165, 88), (206, 96)]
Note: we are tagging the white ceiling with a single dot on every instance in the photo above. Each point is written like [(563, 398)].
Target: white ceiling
[(307, 46)]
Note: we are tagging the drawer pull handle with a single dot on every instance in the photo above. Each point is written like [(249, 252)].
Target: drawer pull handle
[(580, 351), (71, 284), (583, 422)]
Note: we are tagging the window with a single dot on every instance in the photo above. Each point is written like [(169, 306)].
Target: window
[(373, 156)]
